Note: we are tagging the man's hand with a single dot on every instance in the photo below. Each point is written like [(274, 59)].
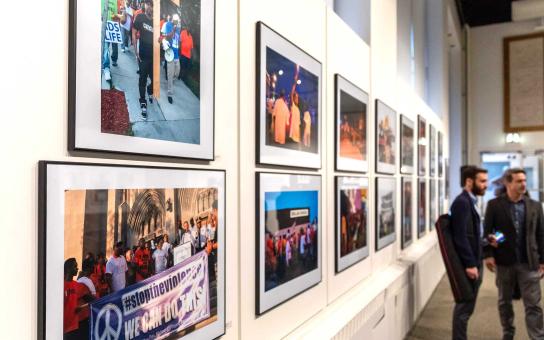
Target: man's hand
[(541, 270), (490, 263), (472, 273), (492, 241)]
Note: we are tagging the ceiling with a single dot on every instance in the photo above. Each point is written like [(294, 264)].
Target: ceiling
[(484, 12)]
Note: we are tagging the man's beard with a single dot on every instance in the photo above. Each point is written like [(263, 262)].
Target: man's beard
[(477, 191)]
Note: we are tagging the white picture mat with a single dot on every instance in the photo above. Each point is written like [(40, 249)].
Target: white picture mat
[(384, 185), (405, 121), (344, 163), (382, 111), (61, 177), (88, 133), (273, 154), (284, 183), (344, 183)]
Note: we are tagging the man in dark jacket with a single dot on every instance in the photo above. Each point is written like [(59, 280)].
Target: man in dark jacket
[(520, 258), (467, 237)]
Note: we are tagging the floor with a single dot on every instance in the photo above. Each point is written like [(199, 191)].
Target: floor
[(435, 321)]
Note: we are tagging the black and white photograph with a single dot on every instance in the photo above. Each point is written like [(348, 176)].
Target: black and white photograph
[(288, 102), (351, 231), (288, 237), (142, 77), (117, 231), (386, 138), (385, 211), (407, 136), (351, 105)]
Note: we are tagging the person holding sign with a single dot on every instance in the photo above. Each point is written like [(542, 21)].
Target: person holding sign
[(143, 24)]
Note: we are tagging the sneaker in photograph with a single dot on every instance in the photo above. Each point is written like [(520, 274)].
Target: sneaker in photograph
[(107, 74), (143, 106), (150, 100), (114, 63)]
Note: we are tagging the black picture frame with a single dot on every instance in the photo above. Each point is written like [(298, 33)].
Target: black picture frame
[(385, 209), (407, 220), (57, 179), (276, 185), (350, 258), (346, 91), (407, 150), (385, 136), (274, 147), (421, 145), (421, 207), (85, 130)]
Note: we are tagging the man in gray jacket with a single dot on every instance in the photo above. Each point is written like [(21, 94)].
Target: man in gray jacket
[(520, 257)]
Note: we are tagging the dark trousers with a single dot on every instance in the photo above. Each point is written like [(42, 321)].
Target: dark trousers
[(146, 70), (463, 311), (529, 284), (114, 52)]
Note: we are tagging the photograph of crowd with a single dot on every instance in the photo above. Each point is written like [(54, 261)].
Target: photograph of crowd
[(385, 211), (406, 145), (291, 235), (386, 127), (421, 208), (407, 220), (292, 94), (351, 221), (150, 69), (117, 238), (421, 145)]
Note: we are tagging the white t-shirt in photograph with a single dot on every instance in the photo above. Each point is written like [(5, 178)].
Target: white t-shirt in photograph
[(89, 283), (160, 256), (117, 267)]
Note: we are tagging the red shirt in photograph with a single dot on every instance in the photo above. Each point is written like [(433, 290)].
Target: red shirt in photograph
[(72, 293), (142, 258)]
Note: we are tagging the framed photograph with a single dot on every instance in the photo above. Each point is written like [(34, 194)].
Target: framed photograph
[(447, 178), (433, 203), (421, 145), (432, 151), (351, 105), (385, 211), (440, 142), (386, 134), (523, 71), (352, 220), (441, 198), (122, 97), (116, 233), (407, 135), (288, 237), (288, 102), (421, 207), (407, 220)]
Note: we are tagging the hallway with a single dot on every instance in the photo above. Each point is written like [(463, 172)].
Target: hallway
[(435, 321)]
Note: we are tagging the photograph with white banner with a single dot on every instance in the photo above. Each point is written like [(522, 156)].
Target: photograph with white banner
[(141, 252)]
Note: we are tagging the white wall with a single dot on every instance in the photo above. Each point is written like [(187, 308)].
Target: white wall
[(485, 91), (35, 128)]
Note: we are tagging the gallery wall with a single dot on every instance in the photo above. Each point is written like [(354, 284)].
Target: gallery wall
[(36, 126), (485, 91)]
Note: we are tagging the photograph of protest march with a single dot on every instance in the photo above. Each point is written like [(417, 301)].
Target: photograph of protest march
[(140, 263), (433, 203), (352, 218), (351, 126), (156, 68), (421, 207), (386, 130), (407, 133), (289, 102), (289, 235), (407, 220), (432, 151), (421, 145), (385, 211)]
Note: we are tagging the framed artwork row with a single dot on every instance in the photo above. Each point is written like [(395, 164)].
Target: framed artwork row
[(119, 99), (130, 250)]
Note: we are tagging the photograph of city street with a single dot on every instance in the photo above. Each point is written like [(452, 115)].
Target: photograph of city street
[(385, 211), (150, 69), (292, 104), (121, 254), (291, 235)]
